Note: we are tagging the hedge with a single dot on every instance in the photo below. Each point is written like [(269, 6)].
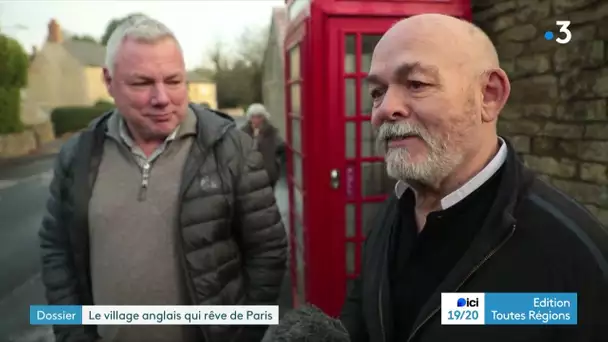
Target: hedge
[(13, 76), (14, 63), (10, 110), (74, 119)]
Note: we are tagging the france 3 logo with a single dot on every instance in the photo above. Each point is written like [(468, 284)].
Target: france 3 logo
[(566, 34), (462, 308)]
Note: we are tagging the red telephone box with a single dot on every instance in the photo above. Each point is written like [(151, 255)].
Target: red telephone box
[(336, 178)]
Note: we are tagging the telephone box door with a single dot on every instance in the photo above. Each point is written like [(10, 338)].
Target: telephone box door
[(355, 159)]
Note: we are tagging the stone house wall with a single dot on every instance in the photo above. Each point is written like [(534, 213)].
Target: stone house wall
[(273, 84), (557, 115)]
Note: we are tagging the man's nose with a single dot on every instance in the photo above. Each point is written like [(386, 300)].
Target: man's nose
[(160, 96), (394, 104), (393, 107)]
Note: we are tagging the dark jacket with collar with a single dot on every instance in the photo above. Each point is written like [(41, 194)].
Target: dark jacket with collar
[(239, 222), (535, 239)]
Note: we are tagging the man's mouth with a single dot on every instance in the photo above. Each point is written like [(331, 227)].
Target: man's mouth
[(399, 140), (160, 117), (402, 136)]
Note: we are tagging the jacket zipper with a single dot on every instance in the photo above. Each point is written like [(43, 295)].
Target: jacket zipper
[(145, 176), (492, 252), (180, 243), (190, 287)]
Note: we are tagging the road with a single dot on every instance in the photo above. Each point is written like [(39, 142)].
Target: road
[(23, 193)]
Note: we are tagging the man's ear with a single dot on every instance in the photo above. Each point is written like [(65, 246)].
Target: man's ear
[(495, 93), (107, 80)]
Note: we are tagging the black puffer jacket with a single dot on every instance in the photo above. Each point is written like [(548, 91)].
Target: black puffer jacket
[(244, 234)]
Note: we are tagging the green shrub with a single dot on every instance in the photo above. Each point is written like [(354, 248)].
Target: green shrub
[(13, 76), (10, 110), (74, 119), (14, 63), (104, 104)]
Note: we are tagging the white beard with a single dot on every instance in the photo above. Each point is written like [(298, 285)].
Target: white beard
[(438, 164)]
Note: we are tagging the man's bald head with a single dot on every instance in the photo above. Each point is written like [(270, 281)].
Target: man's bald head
[(437, 78), (457, 40)]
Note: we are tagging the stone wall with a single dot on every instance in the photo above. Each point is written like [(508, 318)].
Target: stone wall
[(273, 81), (26, 142), (17, 144), (43, 132), (557, 115)]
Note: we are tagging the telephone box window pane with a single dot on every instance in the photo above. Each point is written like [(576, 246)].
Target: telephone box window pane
[(301, 275), (362, 249), (299, 203), (351, 139), (366, 99), (368, 214), (297, 169), (350, 96), (368, 43), (350, 220), (294, 63), (374, 180), (369, 147), (350, 53), (350, 257), (295, 99), (296, 135), (350, 284)]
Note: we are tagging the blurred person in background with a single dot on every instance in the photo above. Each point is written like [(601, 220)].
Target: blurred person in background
[(266, 139), (159, 202), (466, 214)]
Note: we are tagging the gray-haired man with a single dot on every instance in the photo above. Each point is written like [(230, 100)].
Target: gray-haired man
[(159, 202)]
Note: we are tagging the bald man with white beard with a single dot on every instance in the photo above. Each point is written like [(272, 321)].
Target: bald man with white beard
[(466, 214)]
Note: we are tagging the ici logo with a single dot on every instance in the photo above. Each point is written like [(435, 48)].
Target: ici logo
[(467, 302)]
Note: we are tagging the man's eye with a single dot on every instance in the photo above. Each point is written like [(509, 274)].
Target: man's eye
[(416, 85), (375, 93)]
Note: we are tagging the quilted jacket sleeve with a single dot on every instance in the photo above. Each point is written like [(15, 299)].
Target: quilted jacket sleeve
[(262, 233), (263, 237), (58, 274)]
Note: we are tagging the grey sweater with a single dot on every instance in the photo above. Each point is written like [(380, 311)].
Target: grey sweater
[(134, 260)]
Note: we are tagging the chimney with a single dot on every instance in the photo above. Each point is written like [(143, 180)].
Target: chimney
[(55, 35)]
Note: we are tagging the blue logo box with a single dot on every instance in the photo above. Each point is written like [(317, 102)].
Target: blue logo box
[(531, 308), (55, 314)]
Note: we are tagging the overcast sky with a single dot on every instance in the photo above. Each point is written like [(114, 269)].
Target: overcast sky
[(197, 23)]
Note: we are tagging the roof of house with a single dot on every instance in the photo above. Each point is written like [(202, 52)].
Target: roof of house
[(93, 54), (197, 77), (279, 19), (87, 53)]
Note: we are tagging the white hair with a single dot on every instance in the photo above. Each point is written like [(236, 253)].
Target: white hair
[(138, 27), (257, 109)]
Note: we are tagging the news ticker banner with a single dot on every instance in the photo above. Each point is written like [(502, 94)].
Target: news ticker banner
[(509, 308), (154, 315)]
